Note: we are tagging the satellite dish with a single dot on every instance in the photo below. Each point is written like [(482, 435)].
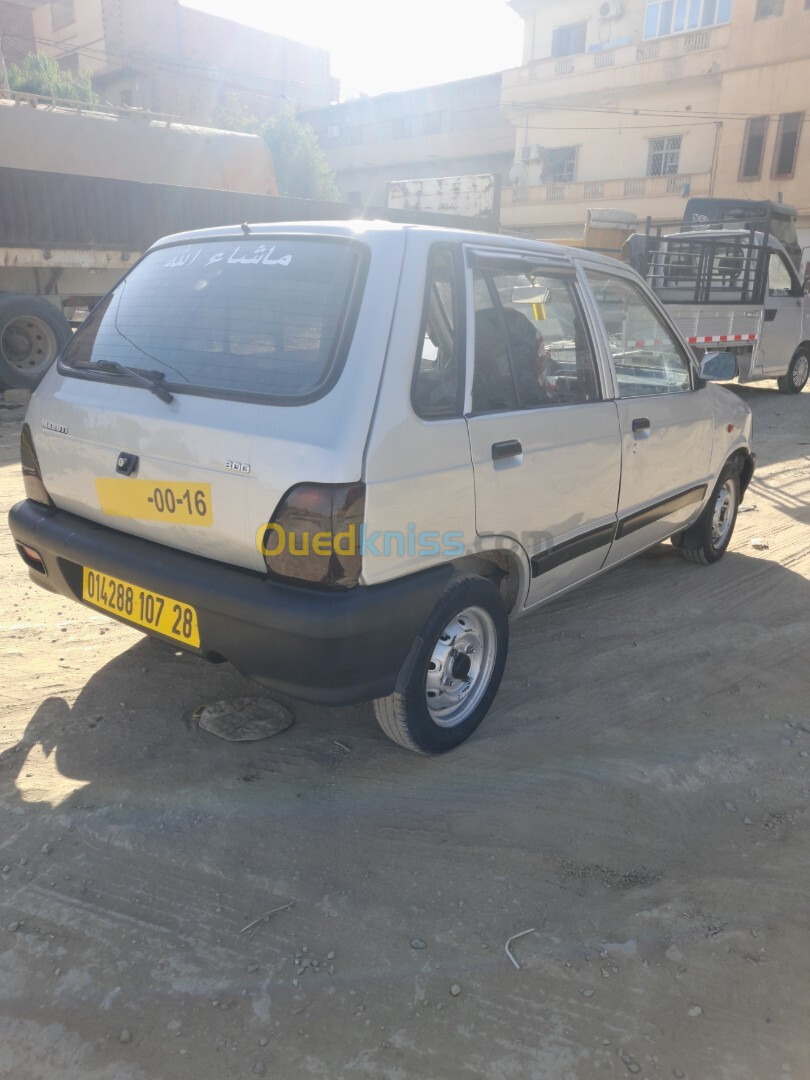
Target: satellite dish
[(517, 174)]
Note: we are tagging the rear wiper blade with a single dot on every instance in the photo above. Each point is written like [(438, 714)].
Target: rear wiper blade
[(147, 381)]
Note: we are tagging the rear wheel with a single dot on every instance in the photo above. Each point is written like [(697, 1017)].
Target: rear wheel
[(451, 683), (794, 380), (707, 540), (32, 333)]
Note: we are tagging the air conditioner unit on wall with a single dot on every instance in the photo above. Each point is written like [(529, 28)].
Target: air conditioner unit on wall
[(611, 9), (531, 153)]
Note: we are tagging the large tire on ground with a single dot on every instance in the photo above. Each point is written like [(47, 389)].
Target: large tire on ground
[(793, 382), (32, 334), (707, 540), (446, 688)]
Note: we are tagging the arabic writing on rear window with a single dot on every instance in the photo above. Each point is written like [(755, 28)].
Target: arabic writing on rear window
[(238, 317)]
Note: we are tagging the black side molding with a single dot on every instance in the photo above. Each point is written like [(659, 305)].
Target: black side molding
[(658, 510), (572, 549)]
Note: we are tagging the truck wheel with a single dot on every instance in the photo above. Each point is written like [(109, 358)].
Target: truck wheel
[(706, 541), (32, 333), (446, 689), (793, 382)]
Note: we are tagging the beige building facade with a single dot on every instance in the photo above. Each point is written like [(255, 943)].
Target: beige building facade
[(173, 60), (452, 129), (637, 104)]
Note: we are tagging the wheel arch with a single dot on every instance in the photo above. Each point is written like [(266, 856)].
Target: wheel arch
[(505, 565)]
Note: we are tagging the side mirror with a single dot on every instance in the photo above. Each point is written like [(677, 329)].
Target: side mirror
[(718, 367)]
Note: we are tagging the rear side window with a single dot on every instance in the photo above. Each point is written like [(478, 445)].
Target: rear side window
[(531, 346), (249, 319)]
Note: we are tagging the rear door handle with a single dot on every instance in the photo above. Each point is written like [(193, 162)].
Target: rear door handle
[(641, 427), (510, 448)]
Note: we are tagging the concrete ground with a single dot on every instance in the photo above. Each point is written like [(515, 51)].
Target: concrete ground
[(638, 799)]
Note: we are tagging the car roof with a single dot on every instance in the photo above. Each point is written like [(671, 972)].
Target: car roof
[(371, 229)]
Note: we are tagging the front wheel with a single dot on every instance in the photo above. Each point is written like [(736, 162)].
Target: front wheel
[(448, 687), (707, 540), (794, 381)]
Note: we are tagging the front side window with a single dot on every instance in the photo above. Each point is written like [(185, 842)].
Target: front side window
[(664, 156), (532, 348), (756, 130), (438, 385), (248, 318), (787, 145), (646, 356), (780, 282), (569, 40)]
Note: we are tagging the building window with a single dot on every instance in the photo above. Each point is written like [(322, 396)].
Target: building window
[(769, 9), (756, 130), (559, 165), (664, 156), (400, 127), (567, 40), (666, 17), (333, 131), (432, 123), (62, 13), (787, 143)]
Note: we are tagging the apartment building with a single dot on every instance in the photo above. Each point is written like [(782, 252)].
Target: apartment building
[(452, 129), (636, 104), (174, 60)]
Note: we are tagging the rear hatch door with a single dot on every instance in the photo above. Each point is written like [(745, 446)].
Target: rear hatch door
[(249, 338)]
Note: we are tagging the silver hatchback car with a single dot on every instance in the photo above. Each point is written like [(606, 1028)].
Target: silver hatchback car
[(343, 455)]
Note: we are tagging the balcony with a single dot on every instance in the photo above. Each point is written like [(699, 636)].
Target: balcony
[(661, 60), (645, 195)]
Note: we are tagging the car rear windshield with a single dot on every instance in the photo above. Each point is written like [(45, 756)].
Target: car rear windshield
[(267, 318)]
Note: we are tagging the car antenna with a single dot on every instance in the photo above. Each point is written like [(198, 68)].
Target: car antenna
[(245, 228)]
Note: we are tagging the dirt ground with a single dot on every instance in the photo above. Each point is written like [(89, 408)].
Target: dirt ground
[(638, 798)]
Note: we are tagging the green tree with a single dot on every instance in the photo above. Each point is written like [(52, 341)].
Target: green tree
[(233, 116), (302, 170), (41, 75)]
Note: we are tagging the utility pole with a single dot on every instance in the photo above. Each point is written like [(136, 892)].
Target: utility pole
[(3, 69)]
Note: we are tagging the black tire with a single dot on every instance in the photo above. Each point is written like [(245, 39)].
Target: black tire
[(794, 381), (32, 334), (475, 606), (706, 541)]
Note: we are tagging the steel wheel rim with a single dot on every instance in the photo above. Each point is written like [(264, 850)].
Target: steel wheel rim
[(723, 514), (801, 369), (460, 667), (28, 344)]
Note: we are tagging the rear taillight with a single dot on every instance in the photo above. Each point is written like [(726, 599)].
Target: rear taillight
[(315, 535), (32, 475)]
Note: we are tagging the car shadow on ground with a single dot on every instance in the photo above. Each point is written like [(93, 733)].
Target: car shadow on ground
[(626, 638)]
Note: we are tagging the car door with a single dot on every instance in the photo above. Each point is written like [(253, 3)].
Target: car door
[(665, 415), (545, 440), (782, 319)]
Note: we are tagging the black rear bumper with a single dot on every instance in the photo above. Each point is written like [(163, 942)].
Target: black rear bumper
[(334, 648)]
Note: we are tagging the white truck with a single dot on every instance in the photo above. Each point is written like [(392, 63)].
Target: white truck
[(733, 286)]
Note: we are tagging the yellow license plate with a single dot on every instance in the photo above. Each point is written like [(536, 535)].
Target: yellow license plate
[(141, 607), (150, 500)]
